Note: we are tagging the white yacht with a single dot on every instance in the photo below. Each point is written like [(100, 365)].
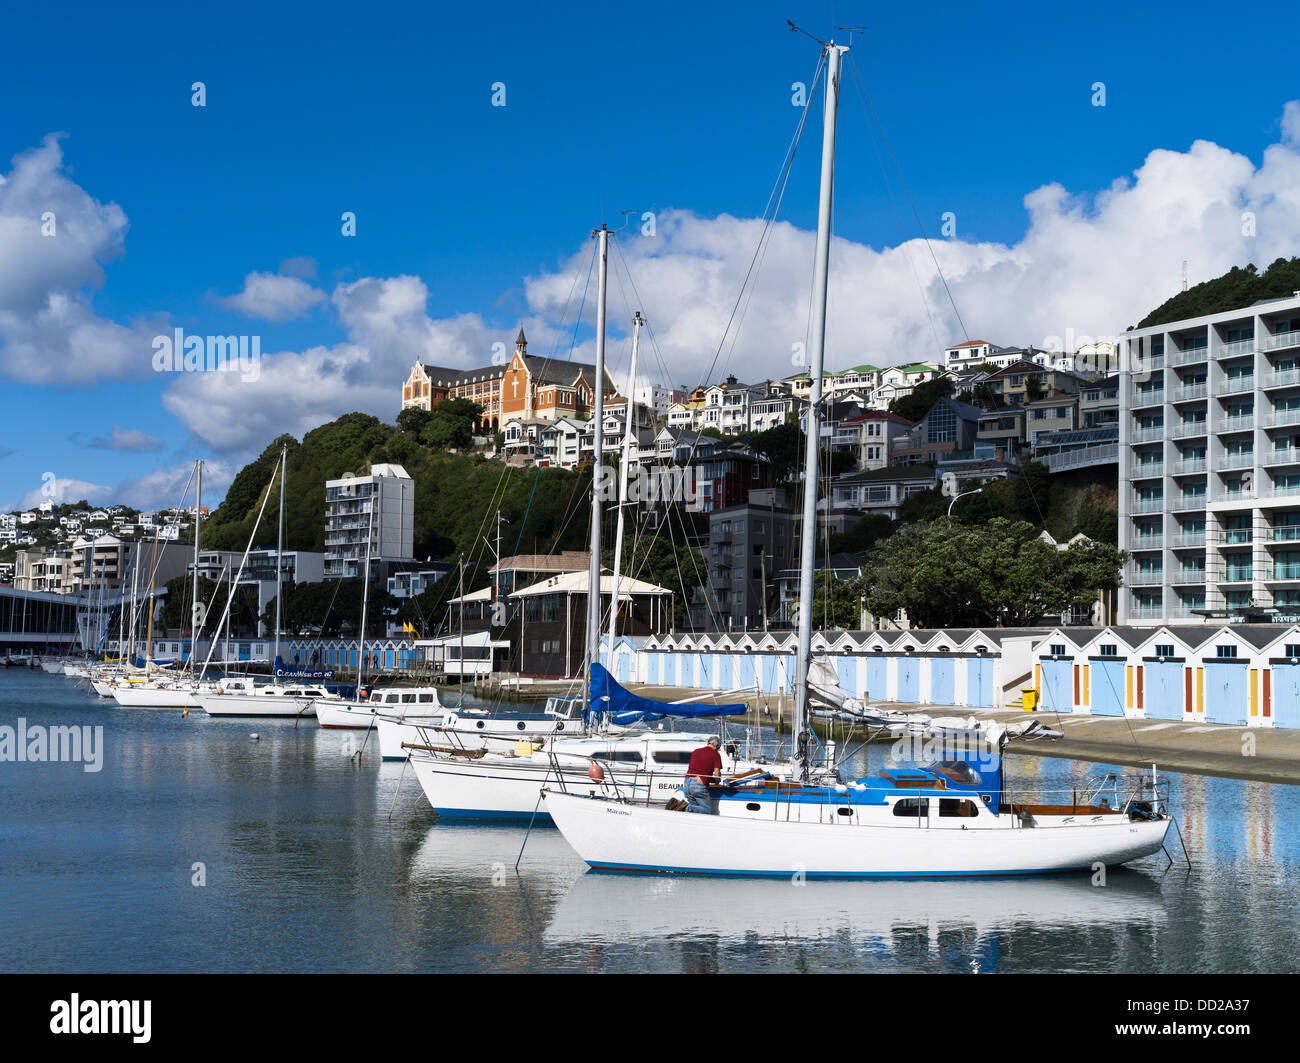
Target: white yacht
[(397, 703), (240, 697)]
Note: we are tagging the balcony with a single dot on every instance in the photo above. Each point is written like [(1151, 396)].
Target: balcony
[(1190, 539), (1190, 356), (1146, 612), (1241, 423), (1187, 394), (1148, 396), (1290, 456), (1282, 377), (1285, 491), (1188, 429), (1182, 468), (1282, 417), (1239, 461), (1182, 503), (1147, 578), (1189, 575), (1279, 340), (1149, 435), (1148, 469), (1237, 535), (1289, 533), (1148, 542), (1150, 505), (1239, 383), (1233, 348)]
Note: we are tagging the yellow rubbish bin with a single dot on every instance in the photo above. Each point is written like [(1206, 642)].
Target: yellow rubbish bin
[(1030, 696)]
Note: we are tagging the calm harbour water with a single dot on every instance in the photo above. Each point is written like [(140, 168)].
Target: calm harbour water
[(307, 871)]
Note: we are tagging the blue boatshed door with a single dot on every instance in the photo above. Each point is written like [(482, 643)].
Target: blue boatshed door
[(1226, 696)]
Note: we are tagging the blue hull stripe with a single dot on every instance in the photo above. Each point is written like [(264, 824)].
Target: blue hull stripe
[(490, 813), (637, 869)]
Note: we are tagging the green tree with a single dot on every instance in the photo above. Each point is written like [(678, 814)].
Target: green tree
[(947, 574), (918, 402), (452, 424), (835, 602)]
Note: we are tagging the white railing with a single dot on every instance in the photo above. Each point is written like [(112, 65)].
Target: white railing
[(1190, 539), (1235, 347), (1280, 377), (1282, 457), (1195, 465), (1189, 428), (1147, 469), (1149, 435), (1192, 354), (1289, 533), (1195, 391), (1078, 459), (1280, 339), (1148, 542), (1282, 417), (1237, 424), (1148, 505), (1190, 575), (1182, 502), (1239, 461), (1148, 396), (1146, 578), (1239, 383)]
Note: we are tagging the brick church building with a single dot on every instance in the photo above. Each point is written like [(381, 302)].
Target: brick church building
[(525, 388)]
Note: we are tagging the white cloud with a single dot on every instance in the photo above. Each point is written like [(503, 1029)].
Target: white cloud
[(273, 297), (54, 240), (161, 487), (127, 439), (1088, 265)]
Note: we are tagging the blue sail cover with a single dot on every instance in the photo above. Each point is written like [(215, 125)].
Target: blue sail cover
[(624, 708), (301, 673)]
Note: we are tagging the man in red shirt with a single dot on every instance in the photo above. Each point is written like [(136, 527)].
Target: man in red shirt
[(705, 767)]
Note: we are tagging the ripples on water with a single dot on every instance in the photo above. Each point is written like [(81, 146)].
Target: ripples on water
[(307, 871)]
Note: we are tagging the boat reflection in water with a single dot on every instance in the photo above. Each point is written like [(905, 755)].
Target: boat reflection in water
[(954, 925)]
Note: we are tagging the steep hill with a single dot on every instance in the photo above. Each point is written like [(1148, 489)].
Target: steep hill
[(453, 493), (1238, 287)]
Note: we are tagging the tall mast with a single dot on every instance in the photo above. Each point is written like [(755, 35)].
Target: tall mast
[(812, 442), (598, 415), (365, 596), (279, 559), (194, 598), (637, 322)]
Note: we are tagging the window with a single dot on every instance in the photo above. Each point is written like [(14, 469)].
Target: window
[(1164, 650), (912, 807), (1108, 650), (1293, 649), (1056, 649), (1225, 651), (951, 806)]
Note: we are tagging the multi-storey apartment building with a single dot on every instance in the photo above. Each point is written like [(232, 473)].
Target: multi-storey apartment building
[(388, 493), (748, 545), (1209, 466)]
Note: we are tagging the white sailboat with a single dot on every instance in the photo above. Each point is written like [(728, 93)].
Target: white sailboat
[(240, 696), (949, 820)]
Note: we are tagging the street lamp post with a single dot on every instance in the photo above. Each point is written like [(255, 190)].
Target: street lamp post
[(977, 491)]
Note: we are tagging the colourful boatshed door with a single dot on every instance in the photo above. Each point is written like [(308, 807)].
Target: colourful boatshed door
[(909, 683), (979, 681), (769, 673), (876, 677), (1286, 694), (1164, 692), (1058, 685), (1227, 699), (745, 666), (848, 673), (941, 681), (1107, 686)]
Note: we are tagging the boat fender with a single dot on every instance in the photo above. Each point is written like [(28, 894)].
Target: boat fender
[(595, 772)]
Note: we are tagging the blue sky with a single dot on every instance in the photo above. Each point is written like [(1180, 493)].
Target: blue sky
[(684, 110)]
